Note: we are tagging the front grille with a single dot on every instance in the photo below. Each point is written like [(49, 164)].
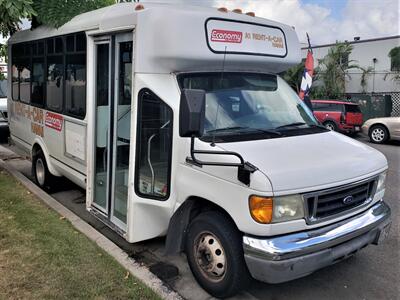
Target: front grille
[(330, 203), (4, 113)]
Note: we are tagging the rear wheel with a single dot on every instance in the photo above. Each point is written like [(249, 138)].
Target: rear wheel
[(330, 125), (378, 134), (43, 177), (215, 254)]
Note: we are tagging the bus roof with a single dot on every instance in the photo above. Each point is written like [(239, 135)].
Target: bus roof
[(180, 38)]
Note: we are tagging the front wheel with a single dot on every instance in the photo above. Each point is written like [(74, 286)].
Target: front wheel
[(215, 254), (378, 134)]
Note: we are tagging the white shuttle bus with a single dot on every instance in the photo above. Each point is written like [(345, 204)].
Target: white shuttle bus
[(174, 120)]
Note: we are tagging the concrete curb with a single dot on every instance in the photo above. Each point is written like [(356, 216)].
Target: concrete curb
[(137, 270)]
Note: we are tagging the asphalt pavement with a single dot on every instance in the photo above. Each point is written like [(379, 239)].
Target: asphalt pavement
[(373, 273)]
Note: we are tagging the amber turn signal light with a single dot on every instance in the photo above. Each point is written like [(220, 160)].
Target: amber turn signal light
[(261, 209)]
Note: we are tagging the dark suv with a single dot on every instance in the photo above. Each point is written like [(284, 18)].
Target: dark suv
[(339, 116)]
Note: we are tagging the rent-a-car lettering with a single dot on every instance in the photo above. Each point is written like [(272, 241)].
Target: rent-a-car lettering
[(227, 36)]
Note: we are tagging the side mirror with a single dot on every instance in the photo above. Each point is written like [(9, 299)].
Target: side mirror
[(192, 113)]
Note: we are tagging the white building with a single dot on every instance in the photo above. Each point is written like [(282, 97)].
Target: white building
[(371, 53)]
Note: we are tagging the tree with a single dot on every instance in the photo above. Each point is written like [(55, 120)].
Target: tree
[(293, 76), (55, 13), (394, 72), (52, 13), (364, 76), (333, 69), (11, 13)]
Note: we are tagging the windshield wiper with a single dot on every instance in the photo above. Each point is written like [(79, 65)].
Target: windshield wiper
[(234, 128), (318, 126), (291, 125), (226, 129)]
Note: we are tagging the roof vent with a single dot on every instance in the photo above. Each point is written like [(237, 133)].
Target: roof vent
[(237, 10), (356, 38), (223, 9), (139, 7), (251, 14)]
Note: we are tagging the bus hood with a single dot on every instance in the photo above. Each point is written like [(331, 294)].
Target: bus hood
[(310, 161)]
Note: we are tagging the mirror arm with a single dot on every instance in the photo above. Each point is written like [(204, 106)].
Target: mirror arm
[(244, 168)]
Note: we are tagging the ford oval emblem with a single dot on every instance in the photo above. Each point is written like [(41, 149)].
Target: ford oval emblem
[(348, 200)]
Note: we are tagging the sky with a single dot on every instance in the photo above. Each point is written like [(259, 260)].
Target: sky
[(326, 21)]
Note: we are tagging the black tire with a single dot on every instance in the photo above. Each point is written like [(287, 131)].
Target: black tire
[(378, 134), (229, 253), (43, 178), (331, 125)]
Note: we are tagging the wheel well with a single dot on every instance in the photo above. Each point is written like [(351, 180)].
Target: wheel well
[(330, 121), (203, 205), (379, 124), (192, 207), (36, 149)]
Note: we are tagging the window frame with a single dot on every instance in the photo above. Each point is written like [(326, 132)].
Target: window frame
[(20, 54), (141, 93)]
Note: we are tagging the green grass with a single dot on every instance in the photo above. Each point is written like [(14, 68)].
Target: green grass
[(42, 256)]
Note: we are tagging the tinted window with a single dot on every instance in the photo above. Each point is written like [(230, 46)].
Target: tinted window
[(353, 108), (321, 106), (3, 88), (15, 81), (38, 76), (80, 42), (25, 80), (125, 73), (70, 43), (50, 46), (40, 48), (55, 74), (154, 147), (75, 85), (59, 45)]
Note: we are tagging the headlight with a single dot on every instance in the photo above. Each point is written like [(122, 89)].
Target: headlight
[(267, 210), (288, 208), (381, 182)]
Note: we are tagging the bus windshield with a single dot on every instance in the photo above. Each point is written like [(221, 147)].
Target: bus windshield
[(239, 104)]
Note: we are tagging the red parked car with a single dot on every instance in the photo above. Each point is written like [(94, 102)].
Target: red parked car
[(339, 116)]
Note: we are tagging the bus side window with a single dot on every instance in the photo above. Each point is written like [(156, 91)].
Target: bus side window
[(15, 80), (54, 89), (154, 147), (38, 82), (75, 85)]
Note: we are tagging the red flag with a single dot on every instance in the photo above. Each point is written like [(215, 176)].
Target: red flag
[(306, 81)]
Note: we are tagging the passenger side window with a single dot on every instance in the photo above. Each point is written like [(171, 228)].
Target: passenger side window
[(75, 85), (55, 75), (38, 76), (154, 147), (25, 80)]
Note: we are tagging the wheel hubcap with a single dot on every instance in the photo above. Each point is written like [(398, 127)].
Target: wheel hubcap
[(210, 256), (378, 134), (330, 126), (40, 171)]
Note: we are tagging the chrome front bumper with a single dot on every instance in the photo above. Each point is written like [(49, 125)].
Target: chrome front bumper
[(291, 256)]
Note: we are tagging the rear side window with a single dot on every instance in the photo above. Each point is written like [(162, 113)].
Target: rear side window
[(322, 106), (353, 108)]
